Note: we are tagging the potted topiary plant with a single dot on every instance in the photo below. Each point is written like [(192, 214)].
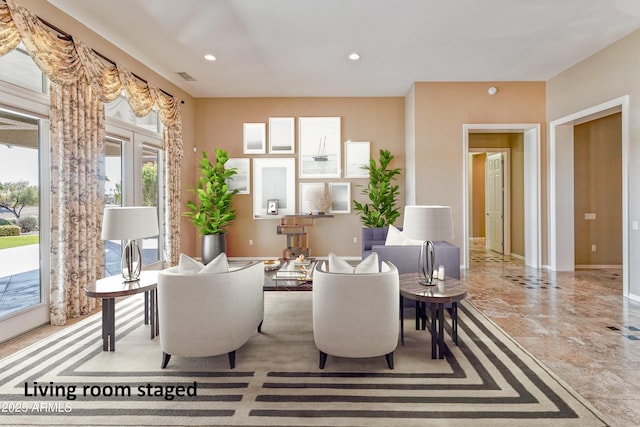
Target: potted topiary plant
[(382, 209), (213, 213)]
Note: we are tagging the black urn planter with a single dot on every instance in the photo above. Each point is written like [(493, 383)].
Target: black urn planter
[(212, 246)]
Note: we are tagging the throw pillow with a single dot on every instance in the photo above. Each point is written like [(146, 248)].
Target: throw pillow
[(394, 236), (338, 265), (188, 265), (368, 265), (219, 264)]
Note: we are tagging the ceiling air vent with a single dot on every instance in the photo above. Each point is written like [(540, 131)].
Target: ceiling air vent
[(186, 76)]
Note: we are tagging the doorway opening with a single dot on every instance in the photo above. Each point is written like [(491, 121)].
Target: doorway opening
[(531, 187), (490, 196), (561, 185)]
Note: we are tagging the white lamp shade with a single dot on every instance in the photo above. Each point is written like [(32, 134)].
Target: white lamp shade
[(131, 222), (428, 223)]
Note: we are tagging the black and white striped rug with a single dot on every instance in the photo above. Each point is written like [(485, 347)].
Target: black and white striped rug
[(488, 380)]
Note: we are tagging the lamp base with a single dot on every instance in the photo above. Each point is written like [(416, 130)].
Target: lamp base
[(131, 262), (126, 280), (426, 262), (428, 282)]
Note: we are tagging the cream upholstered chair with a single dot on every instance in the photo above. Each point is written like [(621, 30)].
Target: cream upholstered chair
[(207, 314), (356, 314)]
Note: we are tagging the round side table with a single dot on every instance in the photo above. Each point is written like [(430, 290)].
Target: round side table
[(448, 291)]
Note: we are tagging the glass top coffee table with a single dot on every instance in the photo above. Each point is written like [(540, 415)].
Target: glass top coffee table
[(289, 275)]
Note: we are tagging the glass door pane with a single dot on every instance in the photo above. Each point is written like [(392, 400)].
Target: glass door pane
[(150, 190), (113, 197), (20, 285)]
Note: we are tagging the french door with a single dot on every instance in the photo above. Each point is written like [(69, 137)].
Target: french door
[(24, 223), (133, 177)]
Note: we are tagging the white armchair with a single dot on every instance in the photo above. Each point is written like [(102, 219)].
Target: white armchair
[(356, 315), (208, 314)]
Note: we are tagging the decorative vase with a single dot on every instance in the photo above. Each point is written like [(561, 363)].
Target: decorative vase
[(212, 246)]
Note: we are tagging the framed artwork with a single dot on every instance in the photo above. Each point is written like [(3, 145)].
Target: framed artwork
[(274, 179), (254, 137), (313, 197), (240, 181), (281, 135), (340, 193), (272, 207), (356, 157), (319, 147)]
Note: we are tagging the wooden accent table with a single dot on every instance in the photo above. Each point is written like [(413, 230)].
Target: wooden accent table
[(448, 291), (295, 228), (110, 288)]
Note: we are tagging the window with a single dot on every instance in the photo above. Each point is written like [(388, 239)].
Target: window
[(150, 191), (25, 166), (24, 169), (20, 212), (113, 197), (119, 109), (133, 169), (18, 68)]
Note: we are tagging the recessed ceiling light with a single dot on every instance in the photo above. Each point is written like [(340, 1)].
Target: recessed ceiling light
[(354, 56), (209, 57)]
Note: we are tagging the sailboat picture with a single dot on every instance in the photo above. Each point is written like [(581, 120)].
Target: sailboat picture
[(319, 150), (322, 150)]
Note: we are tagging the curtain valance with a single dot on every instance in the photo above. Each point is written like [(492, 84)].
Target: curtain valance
[(66, 60), (81, 83)]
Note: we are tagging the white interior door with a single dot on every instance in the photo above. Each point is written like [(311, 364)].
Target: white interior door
[(494, 176)]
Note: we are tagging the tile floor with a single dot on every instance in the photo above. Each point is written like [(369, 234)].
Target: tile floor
[(577, 323)]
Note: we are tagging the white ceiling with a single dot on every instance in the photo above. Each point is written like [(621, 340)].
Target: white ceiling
[(270, 48)]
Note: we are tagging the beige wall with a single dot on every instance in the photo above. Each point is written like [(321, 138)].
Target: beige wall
[(515, 143), (478, 215), (53, 15), (598, 189), (609, 74), (517, 194), (219, 124), (441, 110)]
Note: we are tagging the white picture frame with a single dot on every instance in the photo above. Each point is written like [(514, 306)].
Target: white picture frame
[(274, 179), (319, 147), (272, 207), (254, 138), (357, 155), (281, 135), (241, 181), (340, 193), (309, 192)]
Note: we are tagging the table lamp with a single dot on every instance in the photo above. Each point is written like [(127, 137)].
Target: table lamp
[(130, 223), (429, 224)]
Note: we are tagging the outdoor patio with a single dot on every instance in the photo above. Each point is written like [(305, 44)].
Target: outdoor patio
[(20, 269)]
